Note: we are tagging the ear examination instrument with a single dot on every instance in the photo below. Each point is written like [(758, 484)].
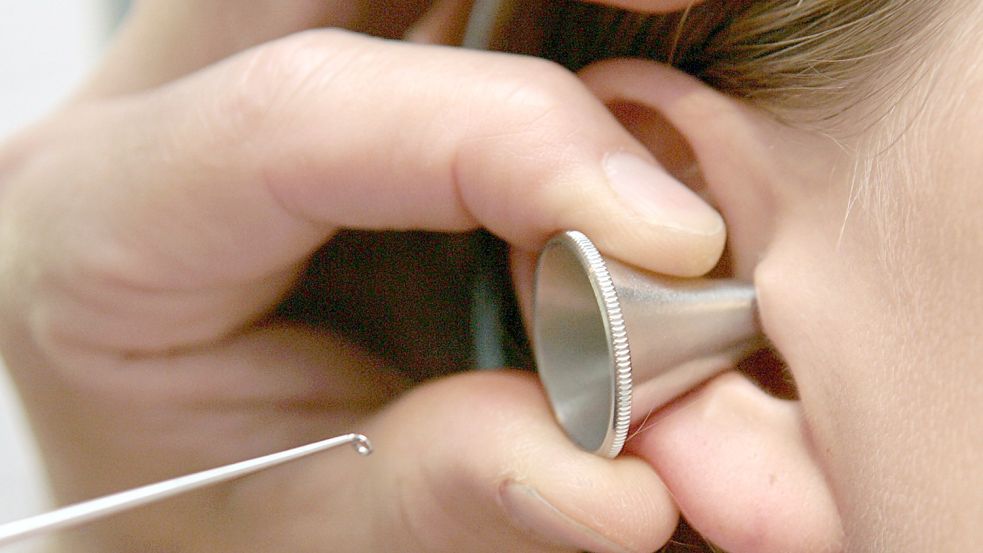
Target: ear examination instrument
[(606, 335), (88, 511)]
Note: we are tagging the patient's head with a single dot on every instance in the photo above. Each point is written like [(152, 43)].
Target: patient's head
[(846, 153)]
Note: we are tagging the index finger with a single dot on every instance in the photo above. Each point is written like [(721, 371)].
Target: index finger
[(226, 181)]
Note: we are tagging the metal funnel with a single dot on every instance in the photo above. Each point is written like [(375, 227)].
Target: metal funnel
[(604, 332)]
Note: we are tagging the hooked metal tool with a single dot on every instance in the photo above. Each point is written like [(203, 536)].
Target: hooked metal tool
[(607, 336), (88, 511)]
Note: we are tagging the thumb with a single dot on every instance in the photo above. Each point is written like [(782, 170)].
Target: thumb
[(276, 149), (476, 463)]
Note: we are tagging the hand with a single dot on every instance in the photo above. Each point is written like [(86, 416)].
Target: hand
[(150, 228)]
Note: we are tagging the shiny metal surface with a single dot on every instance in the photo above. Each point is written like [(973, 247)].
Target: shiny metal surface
[(606, 335), (94, 509)]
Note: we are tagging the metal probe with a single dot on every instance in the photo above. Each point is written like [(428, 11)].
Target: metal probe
[(94, 509)]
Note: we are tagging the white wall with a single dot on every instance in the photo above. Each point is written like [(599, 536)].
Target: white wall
[(46, 46)]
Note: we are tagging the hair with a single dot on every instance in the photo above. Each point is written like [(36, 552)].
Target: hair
[(826, 64), (842, 67)]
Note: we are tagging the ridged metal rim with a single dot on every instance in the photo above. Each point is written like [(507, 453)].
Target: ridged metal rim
[(617, 335)]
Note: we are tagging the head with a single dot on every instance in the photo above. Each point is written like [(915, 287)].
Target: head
[(841, 139)]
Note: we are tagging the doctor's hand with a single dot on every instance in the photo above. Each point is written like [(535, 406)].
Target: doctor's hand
[(149, 229)]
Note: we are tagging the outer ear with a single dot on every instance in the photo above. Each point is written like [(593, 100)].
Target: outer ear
[(738, 461), (706, 139)]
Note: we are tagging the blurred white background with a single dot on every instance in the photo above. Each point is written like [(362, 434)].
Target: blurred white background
[(46, 47)]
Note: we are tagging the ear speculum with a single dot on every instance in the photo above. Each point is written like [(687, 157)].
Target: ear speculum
[(613, 342)]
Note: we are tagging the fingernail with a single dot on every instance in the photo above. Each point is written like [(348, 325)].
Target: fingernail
[(654, 194), (532, 512)]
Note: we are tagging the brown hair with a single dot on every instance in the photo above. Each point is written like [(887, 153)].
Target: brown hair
[(810, 62)]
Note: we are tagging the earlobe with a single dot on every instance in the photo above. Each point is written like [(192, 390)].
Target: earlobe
[(741, 467)]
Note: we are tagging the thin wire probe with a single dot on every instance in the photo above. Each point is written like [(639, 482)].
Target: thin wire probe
[(94, 509)]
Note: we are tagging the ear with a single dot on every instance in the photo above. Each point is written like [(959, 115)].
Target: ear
[(739, 462), (738, 157)]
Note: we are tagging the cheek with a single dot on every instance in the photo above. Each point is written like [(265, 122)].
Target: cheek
[(860, 338), (822, 343), (812, 327)]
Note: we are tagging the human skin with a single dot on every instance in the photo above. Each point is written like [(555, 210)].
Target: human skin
[(868, 286), (149, 227), (129, 304)]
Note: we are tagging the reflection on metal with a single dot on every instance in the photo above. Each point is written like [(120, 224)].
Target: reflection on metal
[(604, 333)]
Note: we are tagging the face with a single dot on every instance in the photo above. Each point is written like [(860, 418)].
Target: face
[(870, 288), (866, 253)]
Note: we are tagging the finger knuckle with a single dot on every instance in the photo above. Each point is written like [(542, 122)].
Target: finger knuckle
[(537, 108), (537, 92), (271, 78)]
